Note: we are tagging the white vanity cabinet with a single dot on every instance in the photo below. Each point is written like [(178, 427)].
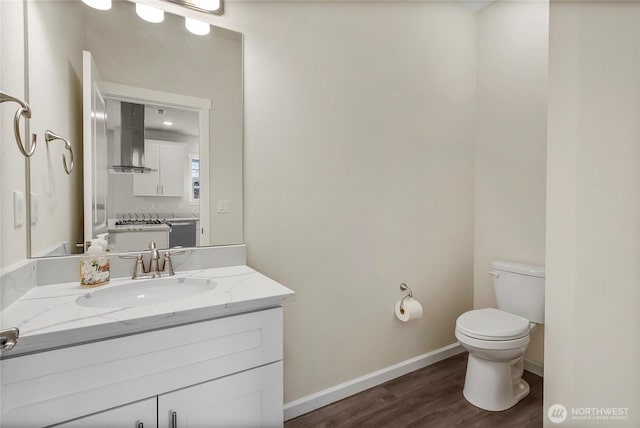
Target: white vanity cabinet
[(168, 161), (215, 373), (247, 399)]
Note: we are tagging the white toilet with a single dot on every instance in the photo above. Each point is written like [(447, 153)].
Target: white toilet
[(497, 338)]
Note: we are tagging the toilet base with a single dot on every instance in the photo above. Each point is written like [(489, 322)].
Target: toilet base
[(494, 385)]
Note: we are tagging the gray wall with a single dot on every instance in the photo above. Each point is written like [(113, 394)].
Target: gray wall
[(359, 176), (511, 143)]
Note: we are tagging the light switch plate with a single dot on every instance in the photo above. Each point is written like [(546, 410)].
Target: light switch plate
[(34, 208), (223, 206), (18, 208)]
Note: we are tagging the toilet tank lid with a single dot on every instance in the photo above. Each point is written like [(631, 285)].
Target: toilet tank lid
[(521, 268)]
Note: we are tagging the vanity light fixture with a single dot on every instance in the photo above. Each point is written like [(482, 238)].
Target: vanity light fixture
[(149, 13), (209, 5), (197, 27), (154, 14), (215, 7), (98, 4)]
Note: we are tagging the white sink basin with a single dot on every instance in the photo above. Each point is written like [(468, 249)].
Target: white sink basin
[(146, 292)]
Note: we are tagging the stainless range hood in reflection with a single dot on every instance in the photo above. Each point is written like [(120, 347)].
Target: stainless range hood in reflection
[(132, 139)]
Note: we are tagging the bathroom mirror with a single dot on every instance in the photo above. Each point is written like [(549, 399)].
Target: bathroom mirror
[(189, 89)]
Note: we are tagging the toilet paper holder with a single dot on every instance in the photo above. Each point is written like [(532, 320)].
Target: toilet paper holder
[(405, 287)]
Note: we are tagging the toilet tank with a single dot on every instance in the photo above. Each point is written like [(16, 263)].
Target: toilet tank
[(519, 289)]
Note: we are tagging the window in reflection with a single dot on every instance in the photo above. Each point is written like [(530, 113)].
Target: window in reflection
[(195, 179)]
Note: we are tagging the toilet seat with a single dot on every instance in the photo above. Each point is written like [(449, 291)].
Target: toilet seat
[(492, 344), (492, 325)]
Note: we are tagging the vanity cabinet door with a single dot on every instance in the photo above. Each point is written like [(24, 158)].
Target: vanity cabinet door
[(248, 399), (142, 414)]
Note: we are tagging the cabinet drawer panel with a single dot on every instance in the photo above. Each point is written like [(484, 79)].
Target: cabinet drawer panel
[(142, 414), (59, 385)]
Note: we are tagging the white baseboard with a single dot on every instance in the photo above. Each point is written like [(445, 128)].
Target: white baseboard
[(534, 367), (319, 399)]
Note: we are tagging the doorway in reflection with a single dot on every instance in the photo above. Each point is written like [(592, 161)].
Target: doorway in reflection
[(162, 203)]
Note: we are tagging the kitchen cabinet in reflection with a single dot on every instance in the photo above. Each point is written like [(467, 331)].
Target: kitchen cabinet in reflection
[(167, 162)]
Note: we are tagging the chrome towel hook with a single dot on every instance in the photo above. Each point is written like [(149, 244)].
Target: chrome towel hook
[(50, 136), (23, 111)]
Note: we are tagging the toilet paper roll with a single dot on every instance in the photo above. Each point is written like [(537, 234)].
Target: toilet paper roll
[(411, 310)]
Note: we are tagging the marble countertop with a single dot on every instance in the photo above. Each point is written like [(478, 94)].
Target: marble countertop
[(48, 316)]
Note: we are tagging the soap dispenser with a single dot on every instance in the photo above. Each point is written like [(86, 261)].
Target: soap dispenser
[(95, 266), (103, 241)]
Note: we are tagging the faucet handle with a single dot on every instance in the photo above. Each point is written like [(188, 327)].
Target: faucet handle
[(167, 265), (138, 269)]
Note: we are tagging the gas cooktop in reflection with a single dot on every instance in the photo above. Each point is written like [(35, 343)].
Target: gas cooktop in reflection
[(138, 222)]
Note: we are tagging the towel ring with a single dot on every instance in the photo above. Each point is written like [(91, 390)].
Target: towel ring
[(51, 136), (23, 111)]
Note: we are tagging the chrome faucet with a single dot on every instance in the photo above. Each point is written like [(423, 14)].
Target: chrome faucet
[(154, 261), (155, 270)]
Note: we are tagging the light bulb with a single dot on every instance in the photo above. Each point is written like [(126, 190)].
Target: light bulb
[(207, 4), (197, 27), (149, 13), (98, 4)]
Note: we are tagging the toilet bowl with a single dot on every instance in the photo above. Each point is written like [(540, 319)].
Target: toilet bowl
[(497, 339), (496, 358)]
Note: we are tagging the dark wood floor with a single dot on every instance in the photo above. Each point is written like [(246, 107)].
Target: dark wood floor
[(430, 397)]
